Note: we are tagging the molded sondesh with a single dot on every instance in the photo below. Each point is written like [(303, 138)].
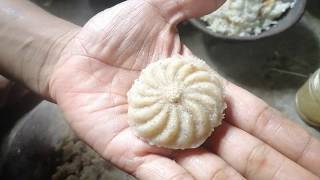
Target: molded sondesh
[(176, 103)]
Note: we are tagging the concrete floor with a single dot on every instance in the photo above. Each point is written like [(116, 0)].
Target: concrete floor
[(258, 66)]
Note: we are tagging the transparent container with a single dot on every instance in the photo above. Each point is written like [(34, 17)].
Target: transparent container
[(308, 100)]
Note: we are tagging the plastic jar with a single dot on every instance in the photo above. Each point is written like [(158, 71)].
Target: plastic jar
[(308, 100)]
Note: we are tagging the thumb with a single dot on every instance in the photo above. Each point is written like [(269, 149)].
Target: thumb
[(176, 11)]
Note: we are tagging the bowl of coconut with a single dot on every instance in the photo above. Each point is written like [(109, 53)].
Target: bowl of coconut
[(247, 20)]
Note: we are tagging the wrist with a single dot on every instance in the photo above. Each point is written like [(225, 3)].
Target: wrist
[(52, 57), (31, 43)]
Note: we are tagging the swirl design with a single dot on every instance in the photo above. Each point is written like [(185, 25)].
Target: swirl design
[(176, 103)]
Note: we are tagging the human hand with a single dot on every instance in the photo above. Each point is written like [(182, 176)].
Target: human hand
[(99, 65)]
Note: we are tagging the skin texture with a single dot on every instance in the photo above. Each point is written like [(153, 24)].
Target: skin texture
[(97, 65)]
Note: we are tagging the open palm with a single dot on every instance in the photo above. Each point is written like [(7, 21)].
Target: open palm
[(98, 67)]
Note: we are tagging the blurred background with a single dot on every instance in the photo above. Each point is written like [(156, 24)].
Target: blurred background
[(37, 144)]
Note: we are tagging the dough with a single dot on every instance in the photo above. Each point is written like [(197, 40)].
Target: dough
[(246, 17), (176, 103)]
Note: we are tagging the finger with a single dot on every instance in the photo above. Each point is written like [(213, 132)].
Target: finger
[(197, 8), (142, 160), (160, 168), (179, 48), (254, 116), (204, 165), (175, 11), (252, 158)]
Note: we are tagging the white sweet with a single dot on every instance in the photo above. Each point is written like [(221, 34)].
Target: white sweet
[(176, 103), (246, 17)]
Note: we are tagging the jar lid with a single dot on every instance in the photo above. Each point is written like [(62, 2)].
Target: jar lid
[(314, 85)]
